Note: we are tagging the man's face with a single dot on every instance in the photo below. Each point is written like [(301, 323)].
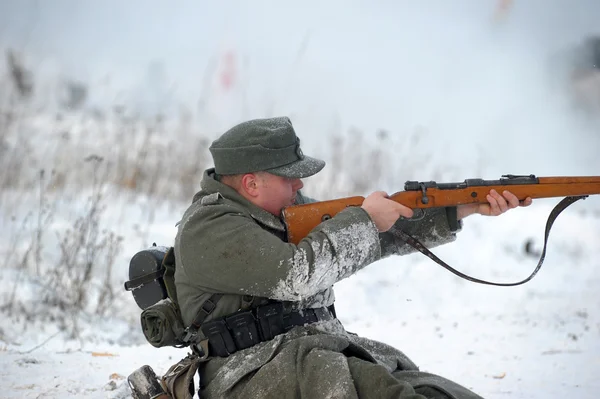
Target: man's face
[(276, 192)]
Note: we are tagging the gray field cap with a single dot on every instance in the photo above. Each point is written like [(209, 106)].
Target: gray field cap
[(268, 145)]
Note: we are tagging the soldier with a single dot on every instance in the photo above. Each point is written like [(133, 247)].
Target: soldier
[(265, 305)]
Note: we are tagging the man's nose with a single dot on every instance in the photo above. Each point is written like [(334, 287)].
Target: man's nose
[(298, 184)]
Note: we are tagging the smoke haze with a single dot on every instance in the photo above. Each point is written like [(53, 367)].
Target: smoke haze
[(481, 85)]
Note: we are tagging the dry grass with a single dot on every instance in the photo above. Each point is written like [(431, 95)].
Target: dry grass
[(84, 159)]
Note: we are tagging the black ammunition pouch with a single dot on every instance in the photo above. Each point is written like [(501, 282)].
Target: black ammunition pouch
[(244, 329)]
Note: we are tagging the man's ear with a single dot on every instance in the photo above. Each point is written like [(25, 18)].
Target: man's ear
[(249, 184)]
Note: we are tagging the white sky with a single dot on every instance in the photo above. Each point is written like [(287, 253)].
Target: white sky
[(481, 88)]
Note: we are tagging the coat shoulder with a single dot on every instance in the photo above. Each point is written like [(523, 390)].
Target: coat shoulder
[(211, 206)]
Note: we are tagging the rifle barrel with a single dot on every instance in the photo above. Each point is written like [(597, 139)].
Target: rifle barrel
[(430, 195)]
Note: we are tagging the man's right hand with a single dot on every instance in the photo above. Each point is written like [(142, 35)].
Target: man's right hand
[(383, 211)]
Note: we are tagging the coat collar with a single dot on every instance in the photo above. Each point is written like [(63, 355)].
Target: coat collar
[(209, 185)]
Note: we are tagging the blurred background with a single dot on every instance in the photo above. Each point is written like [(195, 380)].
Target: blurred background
[(483, 83), (107, 110)]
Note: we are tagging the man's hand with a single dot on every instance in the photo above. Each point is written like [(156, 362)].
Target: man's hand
[(383, 211), (497, 205)]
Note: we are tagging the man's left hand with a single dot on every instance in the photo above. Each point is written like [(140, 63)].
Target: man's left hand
[(497, 205)]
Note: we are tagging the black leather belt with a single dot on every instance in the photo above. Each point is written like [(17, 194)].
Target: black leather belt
[(244, 329)]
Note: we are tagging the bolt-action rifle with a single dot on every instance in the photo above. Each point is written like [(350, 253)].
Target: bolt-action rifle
[(301, 219)]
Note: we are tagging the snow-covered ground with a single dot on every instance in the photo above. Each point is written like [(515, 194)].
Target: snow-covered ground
[(538, 340)]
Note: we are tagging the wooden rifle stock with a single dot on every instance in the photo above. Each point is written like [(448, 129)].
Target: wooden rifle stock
[(301, 219)]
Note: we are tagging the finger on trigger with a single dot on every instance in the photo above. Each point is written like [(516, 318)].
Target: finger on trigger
[(405, 211)]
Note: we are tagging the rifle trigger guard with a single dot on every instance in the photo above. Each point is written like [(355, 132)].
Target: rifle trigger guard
[(424, 198)]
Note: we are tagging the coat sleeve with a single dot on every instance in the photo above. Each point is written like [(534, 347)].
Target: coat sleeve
[(229, 252), (433, 227)]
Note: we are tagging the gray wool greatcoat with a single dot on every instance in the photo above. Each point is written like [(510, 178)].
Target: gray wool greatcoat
[(225, 244)]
